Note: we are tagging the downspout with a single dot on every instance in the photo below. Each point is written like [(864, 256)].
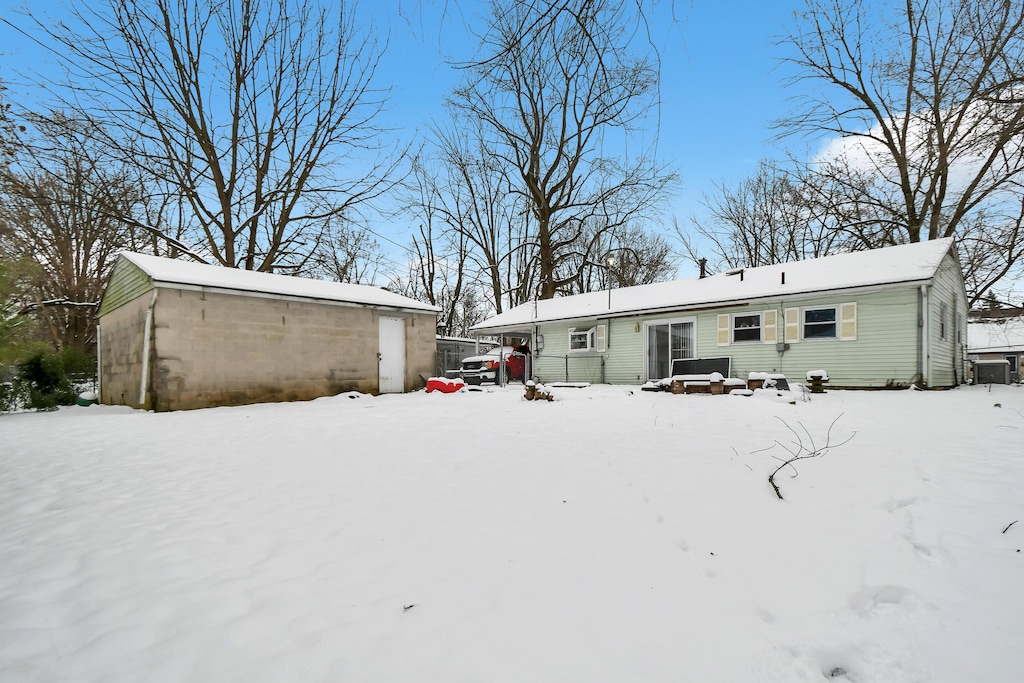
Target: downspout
[(924, 361), (607, 345), (921, 334), (145, 350), (499, 376), (99, 365), (533, 354)]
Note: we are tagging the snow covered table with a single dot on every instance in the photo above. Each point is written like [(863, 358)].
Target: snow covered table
[(817, 380)]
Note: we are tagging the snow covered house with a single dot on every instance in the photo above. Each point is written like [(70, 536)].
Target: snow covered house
[(997, 335), (176, 335), (887, 317)]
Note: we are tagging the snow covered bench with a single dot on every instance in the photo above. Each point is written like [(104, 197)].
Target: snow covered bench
[(711, 383), (767, 380), (732, 384)]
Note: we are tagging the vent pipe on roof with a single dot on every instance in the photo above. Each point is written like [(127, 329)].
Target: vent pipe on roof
[(703, 268), (783, 277)]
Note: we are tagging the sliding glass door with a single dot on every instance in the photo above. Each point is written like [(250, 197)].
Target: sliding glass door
[(667, 341)]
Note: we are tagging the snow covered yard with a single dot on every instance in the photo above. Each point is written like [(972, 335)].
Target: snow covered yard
[(611, 535)]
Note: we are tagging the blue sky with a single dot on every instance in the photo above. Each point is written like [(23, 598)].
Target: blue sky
[(721, 82), (722, 85)]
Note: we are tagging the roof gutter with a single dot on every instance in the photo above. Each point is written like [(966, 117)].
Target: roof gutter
[(695, 308), (231, 291)]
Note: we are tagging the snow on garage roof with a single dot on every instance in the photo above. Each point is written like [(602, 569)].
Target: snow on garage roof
[(902, 264), (997, 335), (177, 272)]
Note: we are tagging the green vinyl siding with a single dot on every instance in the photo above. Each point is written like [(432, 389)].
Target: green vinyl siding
[(625, 364), (884, 352), (127, 281), (556, 363), (621, 363), (746, 357), (946, 352)]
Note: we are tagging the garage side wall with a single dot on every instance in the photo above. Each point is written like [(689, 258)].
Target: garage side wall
[(420, 349), (215, 349), (121, 344)]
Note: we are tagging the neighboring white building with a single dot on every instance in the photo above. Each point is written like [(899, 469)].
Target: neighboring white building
[(997, 335)]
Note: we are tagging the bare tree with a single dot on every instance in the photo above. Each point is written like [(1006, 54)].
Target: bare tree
[(459, 197), (773, 216), (437, 269), (345, 254), (67, 207), (560, 93), (992, 256), (259, 113), (440, 258), (926, 97), (628, 256), (9, 130)]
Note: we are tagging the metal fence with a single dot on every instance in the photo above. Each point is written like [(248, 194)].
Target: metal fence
[(550, 367), (447, 362)]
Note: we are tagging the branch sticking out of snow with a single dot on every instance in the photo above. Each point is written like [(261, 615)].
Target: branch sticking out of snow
[(798, 450)]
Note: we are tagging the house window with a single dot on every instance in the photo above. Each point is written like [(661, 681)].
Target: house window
[(746, 328), (591, 338), (820, 323), (1012, 359), (942, 321), (581, 338)]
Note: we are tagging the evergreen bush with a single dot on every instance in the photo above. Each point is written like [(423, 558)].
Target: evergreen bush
[(46, 380)]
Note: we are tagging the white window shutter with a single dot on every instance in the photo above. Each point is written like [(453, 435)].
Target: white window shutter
[(848, 321), (792, 325), (601, 338), (723, 329), (770, 326)]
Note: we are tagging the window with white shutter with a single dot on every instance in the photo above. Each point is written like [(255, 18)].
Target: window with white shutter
[(848, 321), (724, 331), (770, 324), (792, 325)]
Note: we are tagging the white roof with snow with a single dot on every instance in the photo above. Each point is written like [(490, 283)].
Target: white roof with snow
[(997, 335), (167, 271), (902, 264)]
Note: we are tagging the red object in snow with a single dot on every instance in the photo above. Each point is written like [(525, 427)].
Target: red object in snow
[(444, 385)]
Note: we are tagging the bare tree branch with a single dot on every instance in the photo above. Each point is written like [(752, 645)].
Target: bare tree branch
[(260, 114)]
